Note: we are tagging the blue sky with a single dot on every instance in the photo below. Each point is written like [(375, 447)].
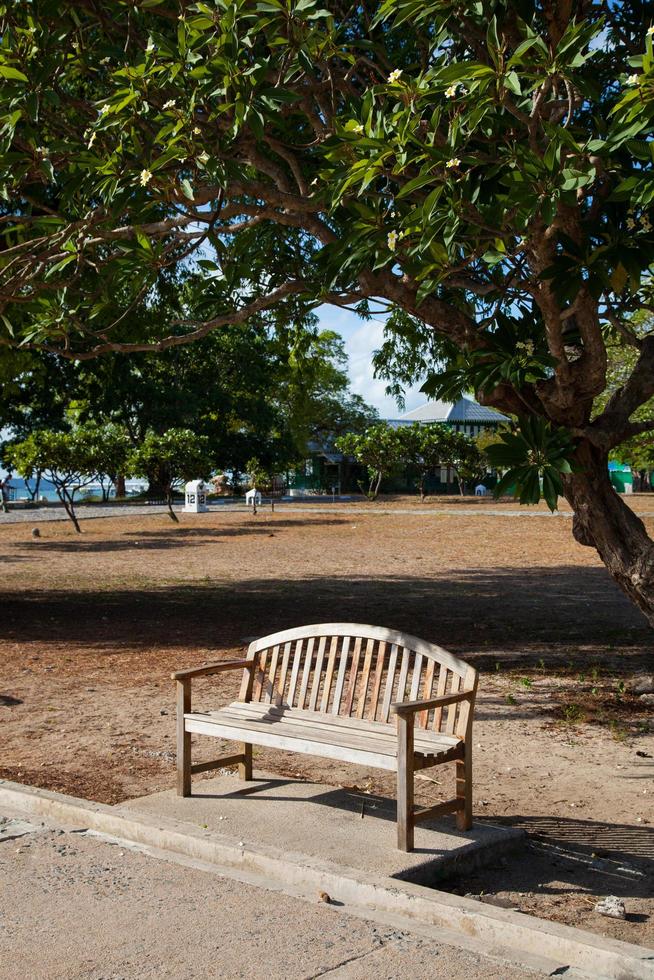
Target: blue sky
[(362, 338)]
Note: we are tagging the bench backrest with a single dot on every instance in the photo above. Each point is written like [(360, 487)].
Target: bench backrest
[(357, 671)]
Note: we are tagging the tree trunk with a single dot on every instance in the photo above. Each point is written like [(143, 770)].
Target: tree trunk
[(602, 520), (169, 500), (69, 507), (120, 485)]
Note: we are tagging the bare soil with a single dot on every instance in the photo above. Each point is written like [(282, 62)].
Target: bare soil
[(93, 624)]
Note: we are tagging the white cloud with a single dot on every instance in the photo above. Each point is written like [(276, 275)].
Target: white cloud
[(362, 338)]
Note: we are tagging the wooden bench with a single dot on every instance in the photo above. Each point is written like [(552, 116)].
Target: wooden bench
[(330, 690)]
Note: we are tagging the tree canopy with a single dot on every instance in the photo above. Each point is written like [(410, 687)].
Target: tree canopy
[(483, 171)]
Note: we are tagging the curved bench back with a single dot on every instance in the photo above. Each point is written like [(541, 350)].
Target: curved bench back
[(355, 670)]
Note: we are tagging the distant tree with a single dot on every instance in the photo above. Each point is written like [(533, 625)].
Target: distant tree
[(637, 452), (465, 457), (425, 448), (109, 447), (378, 449), (66, 459), (257, 474), (169, 459)]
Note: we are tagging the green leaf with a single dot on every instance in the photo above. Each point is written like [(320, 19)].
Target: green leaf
[(187, 189), (13, 74)]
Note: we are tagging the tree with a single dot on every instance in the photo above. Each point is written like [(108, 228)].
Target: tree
[(483, 170), (174, 457), (256, 474), (109, 447), (428, 447), (638, 451), (249, 390), (65, 458), (378, 449)]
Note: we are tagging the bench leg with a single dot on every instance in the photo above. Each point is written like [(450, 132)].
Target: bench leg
[(405, 822), (464, 788), (183, 739), (245, 767)]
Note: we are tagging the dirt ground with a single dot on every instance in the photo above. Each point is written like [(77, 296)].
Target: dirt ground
[(94, 623)]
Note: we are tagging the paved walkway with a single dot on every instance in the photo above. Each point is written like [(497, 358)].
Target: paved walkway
[(457, 510), (75, 906)]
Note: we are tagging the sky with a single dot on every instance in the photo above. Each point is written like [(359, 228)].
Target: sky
[(362, 338)]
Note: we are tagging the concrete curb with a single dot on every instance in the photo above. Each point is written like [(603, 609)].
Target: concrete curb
[(546, 946)]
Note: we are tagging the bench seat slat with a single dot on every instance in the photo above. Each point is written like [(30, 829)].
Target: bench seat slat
[(312, 733), (364, 729)]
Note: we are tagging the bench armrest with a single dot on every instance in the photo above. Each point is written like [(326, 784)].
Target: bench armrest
[(411, 707), (217, 668)]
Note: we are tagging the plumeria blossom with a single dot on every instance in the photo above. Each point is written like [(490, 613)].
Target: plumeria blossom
[(394, 76), (451, 164), (650, 31), (633, 80), (196, 131), (103, 110), (631, 223), (202, 157), (150, 47), (91, 140), (391, 240), (170, 104), (43, 151), (526, 345), (145, 177), (357, 128)]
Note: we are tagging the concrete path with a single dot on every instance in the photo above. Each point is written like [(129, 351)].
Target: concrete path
[(347, 826), (77, 906)]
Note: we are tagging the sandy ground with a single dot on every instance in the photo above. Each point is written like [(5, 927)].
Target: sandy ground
[(94, 623), (74, 907)]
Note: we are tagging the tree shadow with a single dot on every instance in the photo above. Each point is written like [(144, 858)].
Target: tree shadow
[(161, 540), (591, 857), (551, 618)]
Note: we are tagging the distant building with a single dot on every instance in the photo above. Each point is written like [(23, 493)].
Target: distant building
[(466, 415), (325, 468)]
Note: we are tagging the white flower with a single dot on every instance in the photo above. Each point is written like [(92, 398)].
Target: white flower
[(631, 223), (451, 91), (91, 140), (197, 131), (150, 47), (170, 104), (650, 31), (391, 240), (451, 164), (202, 157), (358, 128), (527, 346), (43, 151), (394, 76), (103, 110), (633, 80), (145, 178)]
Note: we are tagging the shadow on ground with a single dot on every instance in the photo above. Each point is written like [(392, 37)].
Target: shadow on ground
[(504, 617), (161, 540), (585, 856)]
